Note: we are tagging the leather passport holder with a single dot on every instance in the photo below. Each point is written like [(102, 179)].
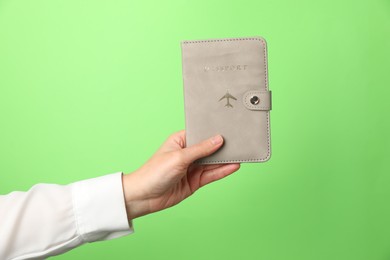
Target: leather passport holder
[(226, 92)]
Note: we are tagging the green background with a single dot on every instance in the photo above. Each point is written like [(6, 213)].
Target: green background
[(89, 88)]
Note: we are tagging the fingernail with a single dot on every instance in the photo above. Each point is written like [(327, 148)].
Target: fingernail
[(216, 140)]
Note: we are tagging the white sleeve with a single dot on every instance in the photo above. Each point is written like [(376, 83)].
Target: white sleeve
[(50, 219)]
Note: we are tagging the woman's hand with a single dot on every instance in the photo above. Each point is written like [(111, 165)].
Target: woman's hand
[(169, 176)]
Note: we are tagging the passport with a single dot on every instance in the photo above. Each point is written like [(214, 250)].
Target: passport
[(225, 86)]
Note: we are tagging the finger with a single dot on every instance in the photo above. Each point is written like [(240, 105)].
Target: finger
[(218, 173), (174, 142), (179, 137), (212, 166), (195, 170), (202, 149)]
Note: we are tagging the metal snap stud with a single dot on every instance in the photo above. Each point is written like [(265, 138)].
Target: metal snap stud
[(255, 100)]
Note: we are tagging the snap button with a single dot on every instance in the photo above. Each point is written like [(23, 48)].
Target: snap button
[(259, 100), (255, 100)]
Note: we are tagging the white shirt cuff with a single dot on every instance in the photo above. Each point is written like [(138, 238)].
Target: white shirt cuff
[(99, 208)]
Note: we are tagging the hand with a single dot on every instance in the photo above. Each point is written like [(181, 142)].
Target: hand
[(170, 176)]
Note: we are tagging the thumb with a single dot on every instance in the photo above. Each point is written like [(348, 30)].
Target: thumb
[(202, 149)]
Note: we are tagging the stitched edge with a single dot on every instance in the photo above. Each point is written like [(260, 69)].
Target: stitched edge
[(266, 88), (226, 39)]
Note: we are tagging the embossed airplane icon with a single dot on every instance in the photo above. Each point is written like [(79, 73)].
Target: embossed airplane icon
[(228, 96)]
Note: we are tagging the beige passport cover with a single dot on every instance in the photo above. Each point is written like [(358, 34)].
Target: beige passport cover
[(226, 92)]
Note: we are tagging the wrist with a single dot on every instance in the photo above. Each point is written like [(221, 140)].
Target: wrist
[(136, 205)]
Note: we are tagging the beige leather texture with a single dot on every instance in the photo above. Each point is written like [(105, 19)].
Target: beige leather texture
[(225, 83)]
